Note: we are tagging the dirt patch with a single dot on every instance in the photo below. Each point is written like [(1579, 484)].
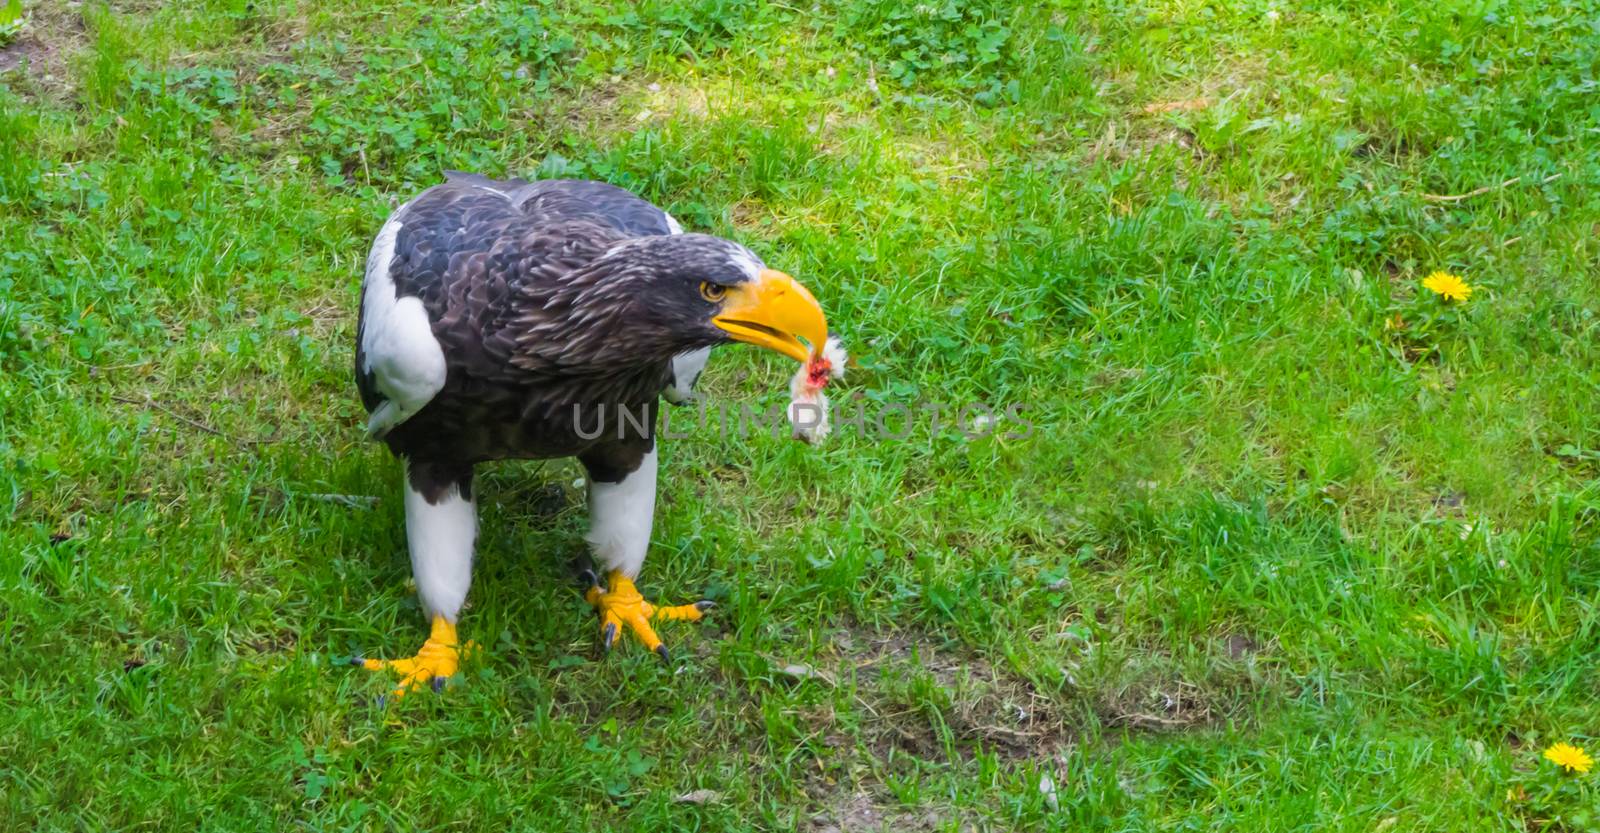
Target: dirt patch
[(1150, 693), (26, 50), (279, 642), (747, 214), (860, 812), (1180, 106), (682, 100), (929, 698), (1157, 704), (1240, 646), (39, 55), (1125, 141), (622, 105), (921, 696)]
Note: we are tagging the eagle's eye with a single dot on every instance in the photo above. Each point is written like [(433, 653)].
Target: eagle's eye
[(713, 292)]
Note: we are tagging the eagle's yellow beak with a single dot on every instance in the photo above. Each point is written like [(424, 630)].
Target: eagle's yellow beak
[(774, 311)]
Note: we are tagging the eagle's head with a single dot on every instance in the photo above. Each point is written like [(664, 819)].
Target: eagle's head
[(667, 294)]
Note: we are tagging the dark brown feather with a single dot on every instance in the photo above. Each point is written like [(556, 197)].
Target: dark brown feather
[(546, 313)]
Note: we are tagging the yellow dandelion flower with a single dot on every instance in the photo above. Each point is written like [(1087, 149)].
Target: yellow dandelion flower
[(1450, 287), (1569, 757)]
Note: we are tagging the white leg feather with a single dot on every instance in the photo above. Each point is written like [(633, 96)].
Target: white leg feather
[(441, 537), (620, 517)]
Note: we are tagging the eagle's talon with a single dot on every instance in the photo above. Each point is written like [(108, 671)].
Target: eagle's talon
[(688, 613), (661, 651), (438, 659), (623, 605)]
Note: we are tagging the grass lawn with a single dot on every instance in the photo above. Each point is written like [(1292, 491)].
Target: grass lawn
[(1294, 544)]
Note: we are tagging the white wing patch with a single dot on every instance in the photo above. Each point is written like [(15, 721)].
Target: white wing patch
[(405, 360), (672, 224)]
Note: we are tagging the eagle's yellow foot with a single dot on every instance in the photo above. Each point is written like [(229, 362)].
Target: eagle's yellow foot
[(621, 604), (437, 660)]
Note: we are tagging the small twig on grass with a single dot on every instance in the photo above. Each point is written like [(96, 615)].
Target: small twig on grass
[(1138, 718), (193, 423), (352, 501), (1016, 735), (1478, 192)]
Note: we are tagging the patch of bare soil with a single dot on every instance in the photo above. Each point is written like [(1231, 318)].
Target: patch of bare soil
[(984, 706), (1155, 704), (36, 61), (746, 214), (920, 695), (1151, 694), (1124, 141), (860, 812), (927, 698), (25, 50)]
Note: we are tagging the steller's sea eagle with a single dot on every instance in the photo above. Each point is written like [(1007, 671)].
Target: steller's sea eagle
[(512, 319)]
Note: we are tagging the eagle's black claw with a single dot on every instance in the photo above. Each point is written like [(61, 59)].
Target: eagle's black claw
[(587, 579), (608, 635), (661, 651), (438, 684), (704, 605), (357, 661)]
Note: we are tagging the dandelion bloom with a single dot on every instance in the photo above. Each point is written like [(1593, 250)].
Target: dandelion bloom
[(1569, 757), (1451, 287)]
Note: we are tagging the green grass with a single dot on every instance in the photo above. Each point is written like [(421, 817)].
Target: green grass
[(1268, 561)]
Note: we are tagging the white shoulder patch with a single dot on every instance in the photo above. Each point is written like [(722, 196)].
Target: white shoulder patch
[(398, 347), (672, 224)]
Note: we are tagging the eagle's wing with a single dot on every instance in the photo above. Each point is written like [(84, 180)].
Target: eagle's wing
[(553, 200), (550, 200), (440, 274), (399, 364)]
